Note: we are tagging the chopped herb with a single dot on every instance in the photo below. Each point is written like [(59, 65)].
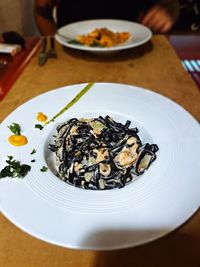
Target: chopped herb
[(33, 160), (15, 128), (9, 159), (14, 169), (39, 126), (33, 151), (44, 169), (74, 41)]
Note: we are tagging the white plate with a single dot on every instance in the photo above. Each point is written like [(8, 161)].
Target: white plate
[(163, 198), (139, 34)]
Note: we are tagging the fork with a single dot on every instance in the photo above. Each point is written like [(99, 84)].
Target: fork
[(45, 54), (192, 66), (42, 58)]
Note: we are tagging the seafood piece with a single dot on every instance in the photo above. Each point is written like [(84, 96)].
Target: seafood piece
[(146, 157)]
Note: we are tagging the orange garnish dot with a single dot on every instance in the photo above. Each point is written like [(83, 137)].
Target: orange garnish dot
[(17, 140), (41, 117)]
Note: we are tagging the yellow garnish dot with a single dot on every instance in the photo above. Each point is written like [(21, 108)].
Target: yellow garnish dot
[(18, 140), (41, 117)]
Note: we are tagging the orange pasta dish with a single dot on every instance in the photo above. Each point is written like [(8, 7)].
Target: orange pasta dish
[(103, 37)]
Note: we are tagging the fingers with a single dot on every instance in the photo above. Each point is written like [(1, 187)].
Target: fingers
[(166, 27), (150, 14), (158, 19)]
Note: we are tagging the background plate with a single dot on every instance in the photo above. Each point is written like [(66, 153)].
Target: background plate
[(155, 204), (139, 34)]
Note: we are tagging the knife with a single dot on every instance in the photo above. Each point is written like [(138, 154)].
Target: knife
[(52, 51), (43, 56)]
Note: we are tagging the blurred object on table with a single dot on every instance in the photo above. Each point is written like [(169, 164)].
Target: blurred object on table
[(15, 65), (11, 43), (13, 37), (10, 49)]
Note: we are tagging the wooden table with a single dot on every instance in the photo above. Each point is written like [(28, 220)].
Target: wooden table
[(154, 66)]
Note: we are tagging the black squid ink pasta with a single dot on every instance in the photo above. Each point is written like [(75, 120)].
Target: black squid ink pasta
[(100, 153)]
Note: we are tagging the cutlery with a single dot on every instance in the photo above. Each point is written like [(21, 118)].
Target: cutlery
[(52, 51), (43, 56)]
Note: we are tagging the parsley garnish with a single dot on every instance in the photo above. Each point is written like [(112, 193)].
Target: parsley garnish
[(14, 169), (15, 128), (74, 41), (44, 169), (39, 126), (33, 151)]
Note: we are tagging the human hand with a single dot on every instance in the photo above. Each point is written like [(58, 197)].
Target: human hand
[(160, 18)]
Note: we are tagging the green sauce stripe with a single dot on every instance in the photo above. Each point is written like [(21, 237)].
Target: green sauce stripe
[(72, 102)]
